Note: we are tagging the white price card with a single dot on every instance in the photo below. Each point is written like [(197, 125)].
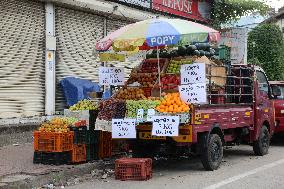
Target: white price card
[(165, 125), (123, 128), (140, 115), (111, 76), (193, 93), (193, 73), (150, 114)]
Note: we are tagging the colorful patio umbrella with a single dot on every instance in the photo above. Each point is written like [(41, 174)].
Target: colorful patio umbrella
[(156, 33)]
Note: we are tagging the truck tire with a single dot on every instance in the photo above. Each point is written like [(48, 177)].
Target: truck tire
[(261, 146), (211, 151)]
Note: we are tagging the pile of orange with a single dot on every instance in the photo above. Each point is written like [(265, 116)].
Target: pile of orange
[(172, 103)]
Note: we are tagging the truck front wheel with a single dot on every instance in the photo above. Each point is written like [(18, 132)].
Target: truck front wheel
[(211, 151), (261, 146)]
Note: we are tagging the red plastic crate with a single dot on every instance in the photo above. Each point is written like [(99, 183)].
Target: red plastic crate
[(219, 97), (133, 169), (53, 141), (79, 153)]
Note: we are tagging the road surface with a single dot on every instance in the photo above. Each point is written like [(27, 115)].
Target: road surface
[(240, 170)]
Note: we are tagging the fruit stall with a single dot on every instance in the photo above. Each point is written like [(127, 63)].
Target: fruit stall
[(89, 129)]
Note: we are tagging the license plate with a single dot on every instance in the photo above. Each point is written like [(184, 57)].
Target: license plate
[(147, 135)]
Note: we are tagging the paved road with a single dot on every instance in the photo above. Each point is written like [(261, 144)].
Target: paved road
[(240, 170)]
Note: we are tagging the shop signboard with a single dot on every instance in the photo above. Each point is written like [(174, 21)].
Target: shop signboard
[(191, 9), (140, 3), (236, 39)]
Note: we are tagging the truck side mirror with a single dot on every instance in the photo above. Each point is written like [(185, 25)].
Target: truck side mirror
[(276, 91)]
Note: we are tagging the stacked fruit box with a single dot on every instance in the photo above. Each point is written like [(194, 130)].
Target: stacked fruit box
[(53, 147), (105, 145), (147, 74), (79, 152), (89, 116)]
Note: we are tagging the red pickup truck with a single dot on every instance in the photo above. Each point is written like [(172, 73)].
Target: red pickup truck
[(242, 113), (278, 89)]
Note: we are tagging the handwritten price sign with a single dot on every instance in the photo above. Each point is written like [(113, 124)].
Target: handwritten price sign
[(111, 76), (193, 93), (165, 125), (193, 73), (123, 128)]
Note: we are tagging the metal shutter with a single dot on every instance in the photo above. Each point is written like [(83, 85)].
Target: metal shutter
[(22, 43), (77, 33)]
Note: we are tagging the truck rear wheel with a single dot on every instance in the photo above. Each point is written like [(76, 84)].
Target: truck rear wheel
[(211, 151), (261, 146)]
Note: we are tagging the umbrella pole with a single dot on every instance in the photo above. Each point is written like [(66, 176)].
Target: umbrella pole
[(159, 70)]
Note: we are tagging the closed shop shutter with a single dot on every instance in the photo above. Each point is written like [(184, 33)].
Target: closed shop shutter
[(77, 33), (22, 43)]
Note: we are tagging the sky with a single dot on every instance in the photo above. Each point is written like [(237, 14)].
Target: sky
[(275, 3)]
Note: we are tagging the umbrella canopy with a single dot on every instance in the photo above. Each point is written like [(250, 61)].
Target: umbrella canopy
[(156, 33)]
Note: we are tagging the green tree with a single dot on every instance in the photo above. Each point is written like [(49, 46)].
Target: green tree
[(265, 46), (224, 11)]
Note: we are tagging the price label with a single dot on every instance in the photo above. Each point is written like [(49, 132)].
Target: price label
[(111, 76), (165, 125), (123, 128), (193, 73), (140, 115), (150, 114), (193, 93)]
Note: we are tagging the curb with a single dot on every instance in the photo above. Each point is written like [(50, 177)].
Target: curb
[(57, 176), (10, 129)]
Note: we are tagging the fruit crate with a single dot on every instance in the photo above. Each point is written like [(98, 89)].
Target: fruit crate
[(79, 153), (218, 96), (53, 141), (163, 64), (92, 152), (105, 145), (89, 115), (80, 135), (93, 136), (133, 169), (52, 158)]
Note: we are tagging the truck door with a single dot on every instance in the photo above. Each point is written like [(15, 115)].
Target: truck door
[(279, 108), (263, 105)]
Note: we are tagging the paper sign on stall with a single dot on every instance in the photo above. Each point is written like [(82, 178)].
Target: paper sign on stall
[(123, 128), (111, 76), (150, 114), (165, 125), (193, 73), (140, 115), (193, 93)]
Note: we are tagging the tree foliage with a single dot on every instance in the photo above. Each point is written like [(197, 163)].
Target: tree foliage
[(265, 46), (224, 11)]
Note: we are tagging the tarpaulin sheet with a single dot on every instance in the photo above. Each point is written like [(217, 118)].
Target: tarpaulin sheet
[(76, 89)]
